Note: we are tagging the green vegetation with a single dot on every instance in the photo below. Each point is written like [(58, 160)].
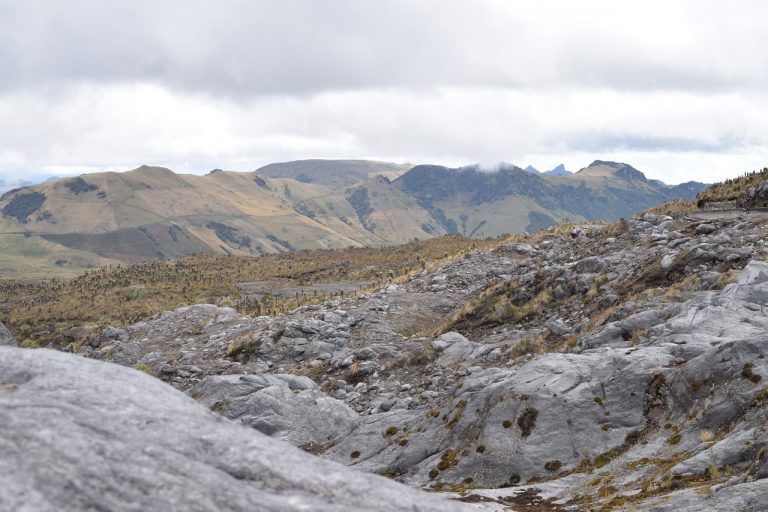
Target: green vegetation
[(24, 205), (79, 186)]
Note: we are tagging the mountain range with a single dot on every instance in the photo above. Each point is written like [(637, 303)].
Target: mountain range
[(63, 226), (559, 170)]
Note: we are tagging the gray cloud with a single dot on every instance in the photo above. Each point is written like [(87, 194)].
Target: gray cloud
[(193, 84), (276, 47)]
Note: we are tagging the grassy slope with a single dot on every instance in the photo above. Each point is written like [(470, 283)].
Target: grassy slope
[(154, 199), (728, 190), (40, 312), (397, 217), (335, 173), (151, 212), (33, 258), (508, 215)]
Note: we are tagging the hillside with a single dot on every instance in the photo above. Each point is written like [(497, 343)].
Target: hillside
[(334, 173), (151, 213), (45, 312), (477, 203), (61, 227)]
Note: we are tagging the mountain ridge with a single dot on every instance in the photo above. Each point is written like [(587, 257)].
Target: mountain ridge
[(152, 212)]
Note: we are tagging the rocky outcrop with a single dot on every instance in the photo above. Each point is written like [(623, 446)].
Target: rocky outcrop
[(611, 354), (77, 434), (284, 406), (754, 197), (6, 338)]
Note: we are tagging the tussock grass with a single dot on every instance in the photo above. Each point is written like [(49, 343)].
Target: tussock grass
[(119, 295)]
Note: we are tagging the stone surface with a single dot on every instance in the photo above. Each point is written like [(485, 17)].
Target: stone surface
[(600, 354), (85, 435), (5, 336), (283, 406)]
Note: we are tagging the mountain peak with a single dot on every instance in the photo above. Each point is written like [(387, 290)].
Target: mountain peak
[(618, 169), (152, 170), (332, 172), (560, 170), (532, 169)]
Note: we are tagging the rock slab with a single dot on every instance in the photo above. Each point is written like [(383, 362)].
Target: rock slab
[(79, 434)]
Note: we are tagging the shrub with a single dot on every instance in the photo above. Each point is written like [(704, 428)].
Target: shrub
[(391, 431), (527, 421), (79, 185), (244, 347), (142, 367), (24, 205), (748, 374)]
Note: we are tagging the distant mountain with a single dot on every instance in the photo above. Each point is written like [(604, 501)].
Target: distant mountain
[(62, 226), (334, 173), (558, 171), (7, 184), (481, 204)]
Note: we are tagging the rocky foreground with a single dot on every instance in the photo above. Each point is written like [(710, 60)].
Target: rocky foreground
[(85, 435), (608, 367)]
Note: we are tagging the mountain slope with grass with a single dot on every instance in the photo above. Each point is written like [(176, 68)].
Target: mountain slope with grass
[(72, 224), (479, 203), (335, 173)]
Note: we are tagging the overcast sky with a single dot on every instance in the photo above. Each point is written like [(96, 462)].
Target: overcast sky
[(678, 89)]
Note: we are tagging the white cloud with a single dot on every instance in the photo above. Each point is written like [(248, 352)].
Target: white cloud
[(675, 88)]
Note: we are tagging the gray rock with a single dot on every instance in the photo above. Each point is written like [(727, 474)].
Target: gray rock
[(704, 229), (558, 327), (6, 338), (79, 434), (590, 265), (752, 496), (446, 340), (649, 217), (282, 406)]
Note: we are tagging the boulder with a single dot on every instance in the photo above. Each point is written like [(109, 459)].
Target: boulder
[(287, 407), (590, 265), (6, 338), (80, 434)]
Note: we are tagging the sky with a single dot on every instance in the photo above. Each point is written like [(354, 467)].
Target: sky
[(678, 89)]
